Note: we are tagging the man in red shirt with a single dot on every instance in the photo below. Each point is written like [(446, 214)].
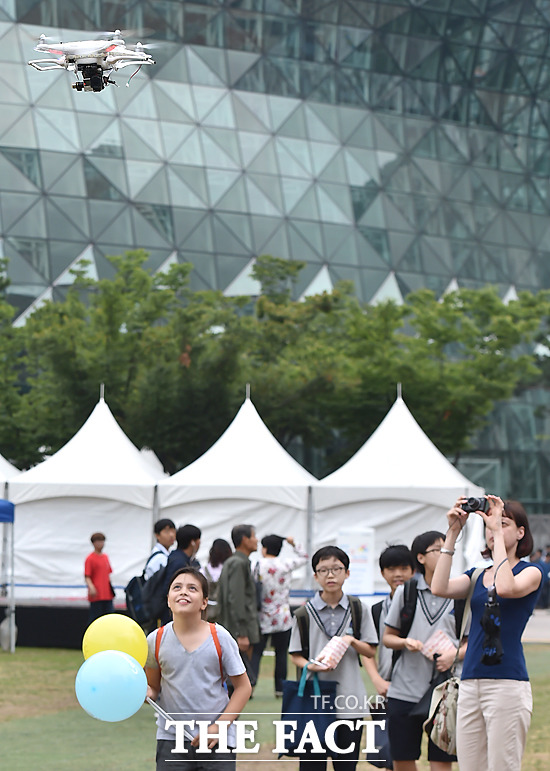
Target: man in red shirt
[(97, 569)]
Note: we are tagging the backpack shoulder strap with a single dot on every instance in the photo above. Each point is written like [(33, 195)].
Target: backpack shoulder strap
[(356, 611), (158, 639), (376, 611), (410, 596), (214, 633)]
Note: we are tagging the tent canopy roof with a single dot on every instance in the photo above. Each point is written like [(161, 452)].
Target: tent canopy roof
[(99, 461), (246, 459), (7, 471), (400, 459)]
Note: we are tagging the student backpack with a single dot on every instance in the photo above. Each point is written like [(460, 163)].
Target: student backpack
[(134, 594), (302, 619), (154, 596)]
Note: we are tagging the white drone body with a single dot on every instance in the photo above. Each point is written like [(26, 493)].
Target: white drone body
[(92, 61)]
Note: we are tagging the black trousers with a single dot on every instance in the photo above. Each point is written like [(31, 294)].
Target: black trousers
[(279, 641), (344, 736)]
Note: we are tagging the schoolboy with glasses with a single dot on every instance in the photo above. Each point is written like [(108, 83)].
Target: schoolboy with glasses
[(329, 615)]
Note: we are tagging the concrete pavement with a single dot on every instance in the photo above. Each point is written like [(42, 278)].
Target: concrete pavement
[(538, 627)]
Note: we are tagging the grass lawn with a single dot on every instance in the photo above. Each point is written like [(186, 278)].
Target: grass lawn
[(43, 727)]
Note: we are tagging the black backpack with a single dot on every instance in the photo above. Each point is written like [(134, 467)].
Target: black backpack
[(135, 590), (153, 595), (302, 619)]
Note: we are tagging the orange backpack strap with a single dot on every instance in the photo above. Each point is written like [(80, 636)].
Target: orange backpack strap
[(214, 634), (158, 639)]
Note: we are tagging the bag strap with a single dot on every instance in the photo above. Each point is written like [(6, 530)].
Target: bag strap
[(158, 638), (214, 633), (314, 680), (467, 608)]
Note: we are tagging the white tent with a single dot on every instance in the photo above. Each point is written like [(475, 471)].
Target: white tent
[(98, 481), (7, 580), (399, 484), (245, 477)]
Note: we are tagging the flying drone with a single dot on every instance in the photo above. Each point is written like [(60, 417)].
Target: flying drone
[(92, 61)]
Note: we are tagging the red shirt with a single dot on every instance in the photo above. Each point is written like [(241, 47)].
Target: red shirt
[(97, 567)]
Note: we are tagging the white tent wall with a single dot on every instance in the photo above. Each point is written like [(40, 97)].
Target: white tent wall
[(52, 541), (215, 518)]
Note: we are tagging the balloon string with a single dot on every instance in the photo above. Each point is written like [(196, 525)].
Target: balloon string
[(166, 716)]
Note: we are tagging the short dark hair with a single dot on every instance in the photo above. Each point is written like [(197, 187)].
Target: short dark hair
[(423, 542), (185, 534), (273, 544), (97, 537), (161, 524), (514, 510), (239, 532), (395, 556), (219, 552), (329, 551), (196, 574)]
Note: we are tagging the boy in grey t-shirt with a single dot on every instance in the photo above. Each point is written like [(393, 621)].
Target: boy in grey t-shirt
[(185, 675)]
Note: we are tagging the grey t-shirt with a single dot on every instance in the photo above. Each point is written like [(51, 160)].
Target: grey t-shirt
[(413, 671), (191, 686), (350, 690)]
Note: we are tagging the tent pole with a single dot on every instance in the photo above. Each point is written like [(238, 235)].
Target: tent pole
[(12, 589), (309, 530)]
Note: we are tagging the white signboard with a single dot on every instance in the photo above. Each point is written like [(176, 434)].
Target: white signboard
[(359, 545)]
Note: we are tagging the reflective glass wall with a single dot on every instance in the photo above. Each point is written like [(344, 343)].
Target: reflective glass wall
[(398, 144)]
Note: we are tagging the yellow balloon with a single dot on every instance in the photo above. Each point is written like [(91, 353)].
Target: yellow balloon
[(115, 632)]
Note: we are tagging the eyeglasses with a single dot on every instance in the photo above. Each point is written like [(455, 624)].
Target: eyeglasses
[(325, 571), (436, 548)]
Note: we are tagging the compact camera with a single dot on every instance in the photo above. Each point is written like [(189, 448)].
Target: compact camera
[(475, 504)]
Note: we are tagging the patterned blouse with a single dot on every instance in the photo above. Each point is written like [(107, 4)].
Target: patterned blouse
[(276, 575)]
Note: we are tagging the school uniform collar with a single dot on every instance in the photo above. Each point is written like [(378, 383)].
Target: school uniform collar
[(421, 583), (319, 604)]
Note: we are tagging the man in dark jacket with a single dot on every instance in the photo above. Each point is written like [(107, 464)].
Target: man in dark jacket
[(237, 596)]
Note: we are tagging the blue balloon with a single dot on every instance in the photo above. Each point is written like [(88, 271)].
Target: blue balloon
[(111, 686)]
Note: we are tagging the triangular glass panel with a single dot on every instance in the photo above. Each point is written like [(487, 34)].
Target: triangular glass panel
[(58, 223), (225, 241), (206, 99), (215, 59), (289, 163), (299, 149), (102, 214), (229, 267), (301, 248), (185, 222), (148, 131), (388, 291), (293, 190), (270, 187), (16, 205), (378, 239), (221, 116), (319, 285), (258, 202), (262, 230), (120, 231), (63, 174), (57, 130), (350, 252), (10, 45), (339, 196), (113, 169), (200, 73), (235, 199), (189, 153), (244, 283), (182, 193), (142, 103), (92, 126), (140, 173), (14, 85), (265, 161), (363, 135), (393, 215), (522, 222), (175, 69), (173, 135), (399, 244), (334, 236), (156, 191), (374, 216), (256, 104), (66, 278), (278, 244), (238, 63), (307, 207), (295, 125), (22, 125), (227, 141), (321, 155), (217, 157), (240, 226), (134, 147), (182, 95), (159, 217), (336, 170), (27, 161), (244, 118), (219, 182), (167, 109), (204, 273), (251, 144), (74, 208), (194, 178), (361, 166)]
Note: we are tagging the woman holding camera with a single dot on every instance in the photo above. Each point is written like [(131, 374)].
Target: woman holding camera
[(495, 701)]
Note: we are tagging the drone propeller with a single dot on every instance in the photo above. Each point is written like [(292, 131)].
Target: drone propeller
[(143, 46), (46, 39), (120, 33)]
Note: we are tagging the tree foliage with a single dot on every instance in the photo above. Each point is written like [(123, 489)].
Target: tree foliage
[(323, 371)]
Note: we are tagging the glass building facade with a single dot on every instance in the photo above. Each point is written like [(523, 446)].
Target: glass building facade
[(398, 144)]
